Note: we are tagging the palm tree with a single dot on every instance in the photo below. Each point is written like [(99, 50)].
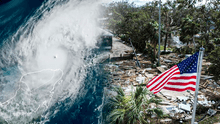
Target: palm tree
[(119, 104), (132, 109)]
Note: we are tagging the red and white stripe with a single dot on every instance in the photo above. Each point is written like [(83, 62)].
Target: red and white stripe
[(173, 80)]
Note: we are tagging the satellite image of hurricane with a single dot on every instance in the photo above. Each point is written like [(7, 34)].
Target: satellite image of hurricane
[(49, 62)]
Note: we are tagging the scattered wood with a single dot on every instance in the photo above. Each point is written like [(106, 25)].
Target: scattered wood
[(161, 69)]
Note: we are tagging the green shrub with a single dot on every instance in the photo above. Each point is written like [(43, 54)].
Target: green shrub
[(124, 38), (149, 50), (183, 50), (176, 50), (208, 46), (214, 68), (187, 50), (217, 40)]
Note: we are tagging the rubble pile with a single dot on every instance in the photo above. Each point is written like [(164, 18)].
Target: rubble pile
[(177, 105), (180, 105)]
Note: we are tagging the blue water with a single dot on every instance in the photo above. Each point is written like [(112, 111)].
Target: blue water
[(86, 108), (13, 13)]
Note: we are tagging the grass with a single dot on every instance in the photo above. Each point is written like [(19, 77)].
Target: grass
[(207, 119), (162, 48)]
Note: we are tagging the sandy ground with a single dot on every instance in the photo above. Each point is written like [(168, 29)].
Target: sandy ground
[(174, 94), (119, 48)]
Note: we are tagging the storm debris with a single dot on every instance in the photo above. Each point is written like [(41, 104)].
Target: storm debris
[(178, 105)]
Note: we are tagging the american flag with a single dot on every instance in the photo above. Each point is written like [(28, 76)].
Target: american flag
[(180, 77)]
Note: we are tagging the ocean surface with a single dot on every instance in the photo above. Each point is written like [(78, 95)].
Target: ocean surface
[(50, 63)]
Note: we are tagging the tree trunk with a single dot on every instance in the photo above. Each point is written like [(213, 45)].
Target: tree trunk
[(207, 33), (165, 43), (155, 45), (167, 30)]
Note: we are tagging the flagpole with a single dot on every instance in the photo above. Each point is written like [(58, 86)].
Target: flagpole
[(199, 67)]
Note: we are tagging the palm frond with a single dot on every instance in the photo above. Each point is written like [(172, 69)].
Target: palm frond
[(117, 115), (132, 109)]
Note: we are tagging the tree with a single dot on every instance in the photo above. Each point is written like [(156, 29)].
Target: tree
[(131, 109), (208, 18), (135, 25), (204, 16), (132, 23), (152, 33), (117, 11), (215, 16), (140, 23), (189, 28), (166, 12), (214, 68)]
